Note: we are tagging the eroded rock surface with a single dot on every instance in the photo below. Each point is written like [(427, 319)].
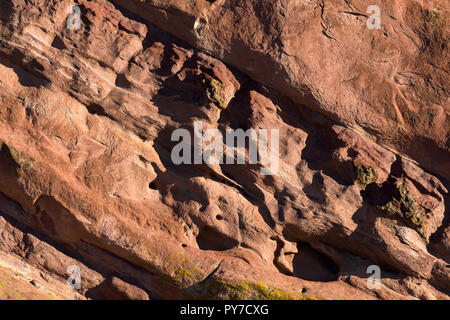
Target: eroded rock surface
[(87, 177)]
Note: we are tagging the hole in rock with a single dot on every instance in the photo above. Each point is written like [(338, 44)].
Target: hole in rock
[(95, 108), (58, 43), (352, 153), (153, 185), (34, 64), (219, 217), (28, 73), (210, 239), (308, 264), (122, 81)]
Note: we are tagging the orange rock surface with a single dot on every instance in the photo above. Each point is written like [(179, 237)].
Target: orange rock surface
[(87, 177)]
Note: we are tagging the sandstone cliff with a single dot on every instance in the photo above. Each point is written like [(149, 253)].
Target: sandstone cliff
[(87, 178)]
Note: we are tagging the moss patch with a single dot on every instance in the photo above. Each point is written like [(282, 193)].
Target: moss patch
[(182, 272), (365, 175), (195, 284), (187, 276), (402, 205), (245, 290), (434, 22), (215, 91), (24, 163), (433, 33)]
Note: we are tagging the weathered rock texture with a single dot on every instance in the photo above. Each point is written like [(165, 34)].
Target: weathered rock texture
[(86, 176)]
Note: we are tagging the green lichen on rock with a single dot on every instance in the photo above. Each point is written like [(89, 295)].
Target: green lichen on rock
[(215, 91), (434, 22), (217, 288), (405, 207), (365, 175), (24, 163), (433, 32), (246, 290), (187, 276), (182, 272), (196, 284)]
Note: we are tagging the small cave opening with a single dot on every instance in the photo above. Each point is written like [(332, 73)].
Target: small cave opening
[(210, 239), (58, 43), (152, 185), (309, 264)]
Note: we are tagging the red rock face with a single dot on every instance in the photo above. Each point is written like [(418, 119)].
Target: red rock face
[(87, 174)]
